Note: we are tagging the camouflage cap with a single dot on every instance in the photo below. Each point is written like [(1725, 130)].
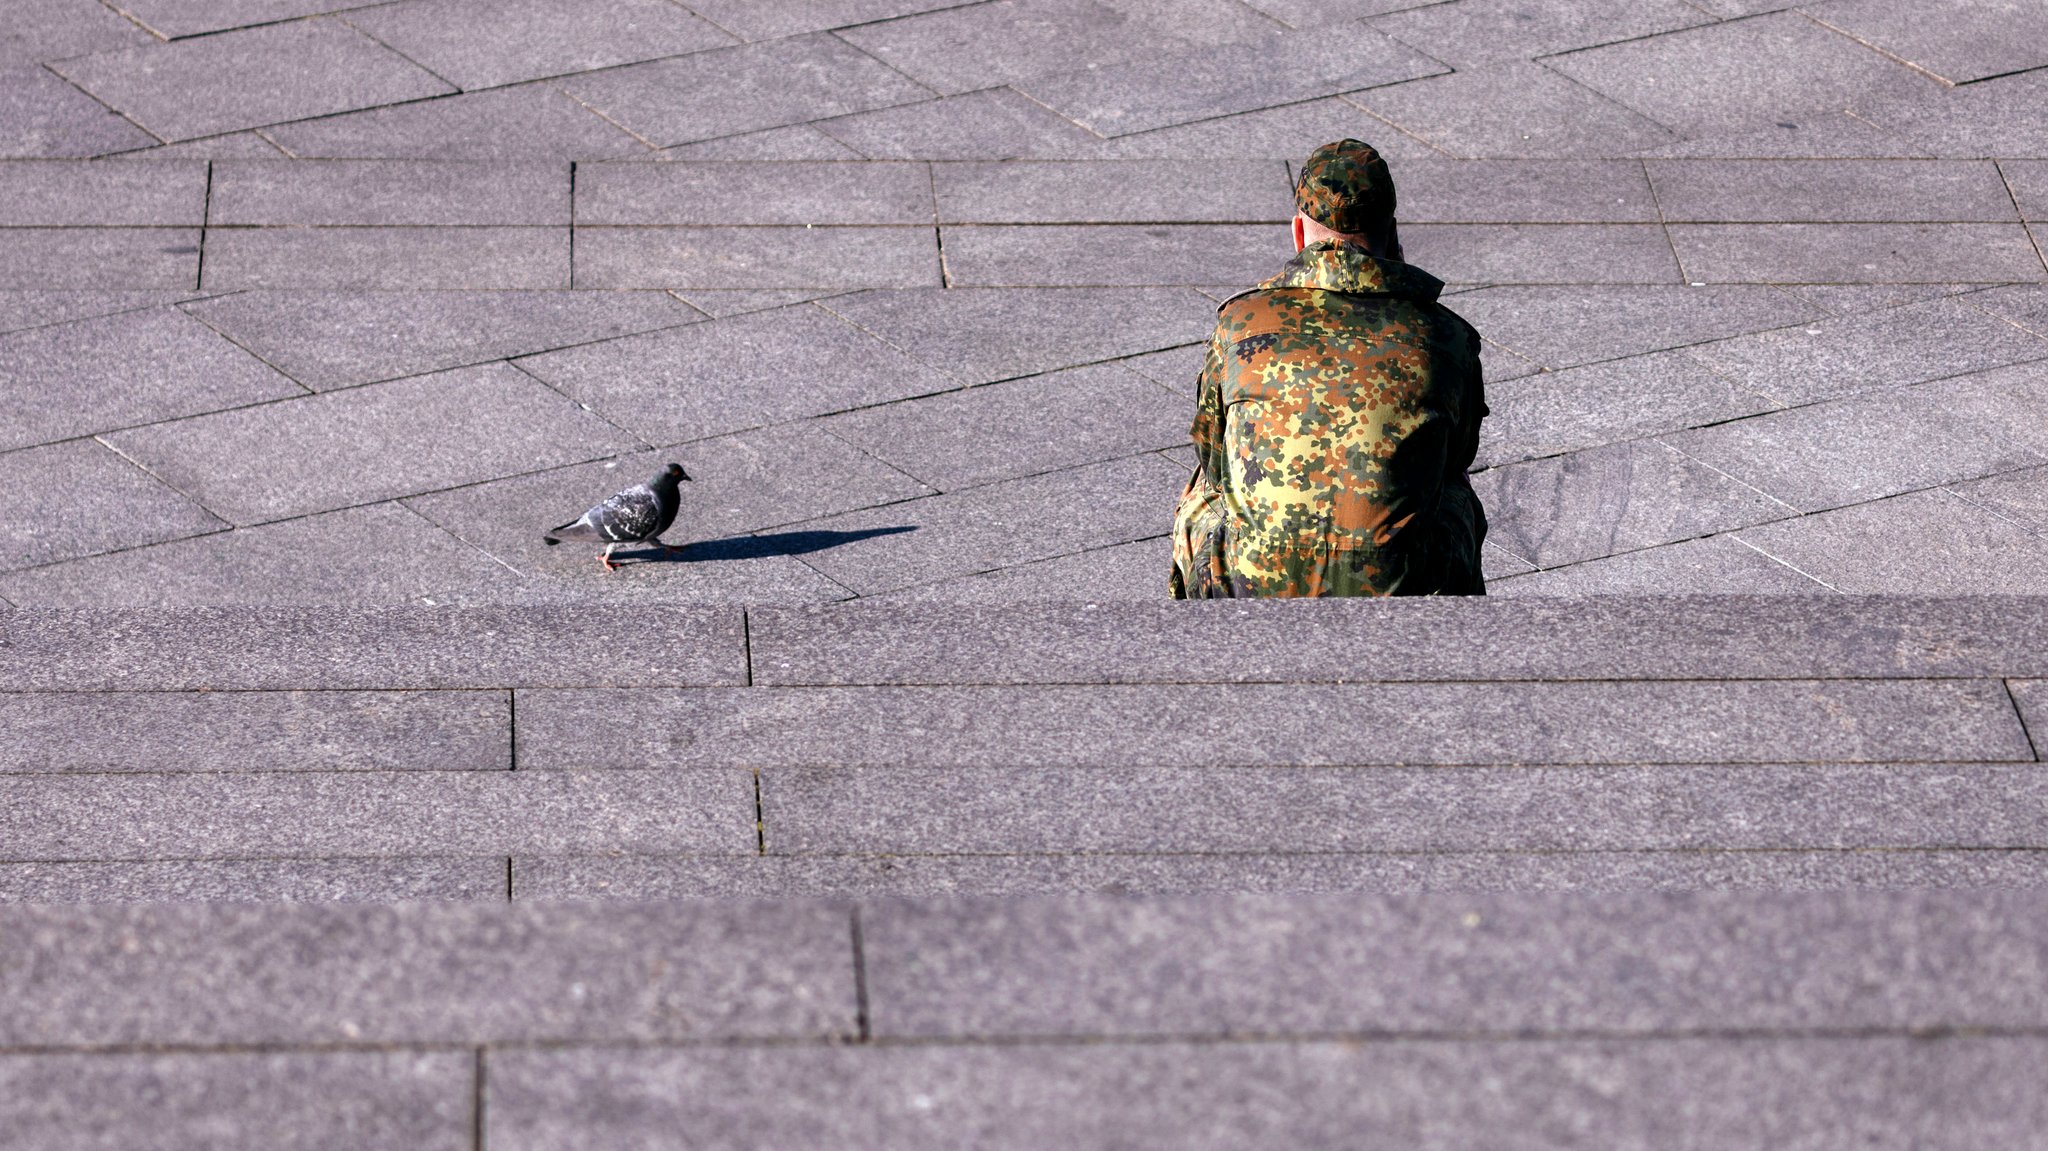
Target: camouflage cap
[(1345, 187)]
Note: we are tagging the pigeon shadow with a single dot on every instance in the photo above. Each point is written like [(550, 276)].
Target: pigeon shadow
[(758, 547)]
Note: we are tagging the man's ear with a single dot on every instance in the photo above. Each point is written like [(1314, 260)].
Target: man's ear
[(1300, 237)]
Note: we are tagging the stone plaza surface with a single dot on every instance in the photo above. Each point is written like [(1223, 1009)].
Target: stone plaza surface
[(898, 809)]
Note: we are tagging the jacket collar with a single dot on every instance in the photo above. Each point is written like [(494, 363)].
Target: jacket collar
[(1335, 266)]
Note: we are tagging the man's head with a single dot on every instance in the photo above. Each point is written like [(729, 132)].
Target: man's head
[(1345, 193)]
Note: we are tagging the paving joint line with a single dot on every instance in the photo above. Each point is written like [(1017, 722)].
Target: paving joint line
[(863, 1029), (102, 103), (2020, 714)]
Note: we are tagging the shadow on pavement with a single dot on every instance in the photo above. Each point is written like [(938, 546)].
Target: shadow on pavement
[(757, 547)]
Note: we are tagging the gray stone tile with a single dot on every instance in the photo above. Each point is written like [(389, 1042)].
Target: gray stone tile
[(369, 555), (1497, 31), (1830, 191), (1948, 1093), (334, 647), (980, 336), (1921, 543), (1557, 412), (2021, 497), (52, 29), (1742, 74), (1001, 525), (725, 91), (2028, 180), (1542, 253), (1605, 500), (329, 340), (1565, 326), (753, 258), (249, 145), (1095, 255), (990, 124), (424, 879), (41, 115), (111, 258), (486, 43), (1289, 132), (1443, 191), (172, 19), (1497, 563), (1286, 725), (367, 814), (768, 21), (1018, 428), (1141, 809), (1533, 963), (371, 443), (1510, 110), (1826, 358), (791, 142), (28, 308), (1168, 88), (239, 1101), (386, 192), (1175, 368), (526, 122), (1309, 13), (2002, 117), (1718, 565), (722, 302), (652, 383), (1827, 135), (1114, 191), (2032, 697), (748, 193), (74, 194), (76, 499), (1118, 573), (257, 731), (340, 974), (403, 259), (93, 364), (1847, 299), (1857, 253), (1954, 39), (246, 79), (980, 46)]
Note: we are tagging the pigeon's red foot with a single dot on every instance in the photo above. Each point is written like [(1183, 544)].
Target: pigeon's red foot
[(607, 562)]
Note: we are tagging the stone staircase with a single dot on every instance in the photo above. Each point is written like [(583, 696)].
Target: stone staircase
[(1688, 872)]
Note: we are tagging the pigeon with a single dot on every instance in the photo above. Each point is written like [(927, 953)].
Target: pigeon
[(636, 515)]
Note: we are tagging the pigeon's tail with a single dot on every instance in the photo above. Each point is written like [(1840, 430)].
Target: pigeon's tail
[(549, 540)]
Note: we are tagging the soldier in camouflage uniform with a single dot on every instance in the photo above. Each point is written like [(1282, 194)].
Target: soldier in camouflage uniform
[(1339, 408)]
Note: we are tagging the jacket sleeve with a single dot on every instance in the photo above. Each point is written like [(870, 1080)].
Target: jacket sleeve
[(1198, 525)]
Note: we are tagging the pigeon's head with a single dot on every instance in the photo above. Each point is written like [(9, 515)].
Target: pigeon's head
[(674, 472)]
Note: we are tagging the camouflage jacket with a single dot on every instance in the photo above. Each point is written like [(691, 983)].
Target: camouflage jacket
[(1339, 409)]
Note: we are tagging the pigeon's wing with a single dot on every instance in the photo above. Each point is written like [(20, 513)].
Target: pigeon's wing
[(629, 516), (581, 528)]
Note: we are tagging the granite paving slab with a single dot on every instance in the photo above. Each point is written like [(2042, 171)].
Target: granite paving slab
[(373, 258), (987, 124), (1289, 133), (1941, 1093), (1739, 74), (1565, 326), (1670, 637), (753, 21), (370, 648), (1445, 191), (523, 122), (1519, 109), (1998, 117), (1716, 565), (51, 29), (1119, 572), (981, 336), (749, 193), (1001, 525), (1637, 965), (110, 258), (77, 498), (723, 302), (248, 145), (386, 192), (379, 554), (1208, 724), (1955, 40), (2021, 497), (1095, 255), (41, 115), (173, 19), (328, 340), (1018, 428), (1920, 543), (1480, 32), (1178, 369), (1542, 253), (1828, 358), (2031, 696), (1599, 404), (57, 193), (1830, 191), (30, 308), (1825, 135), (191, 370), (1612, 499), (249, 78), (1159, 90), (338, 974), (256, 731), (789, 142), (486, 43), (2028, 182), (653, 383), (1857, 253), (239, 1101), (725, 91), (367, 444), (149, 816), (758, 257), (1113, 191), (1005, 810), (1847, 299), (423, 879)]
